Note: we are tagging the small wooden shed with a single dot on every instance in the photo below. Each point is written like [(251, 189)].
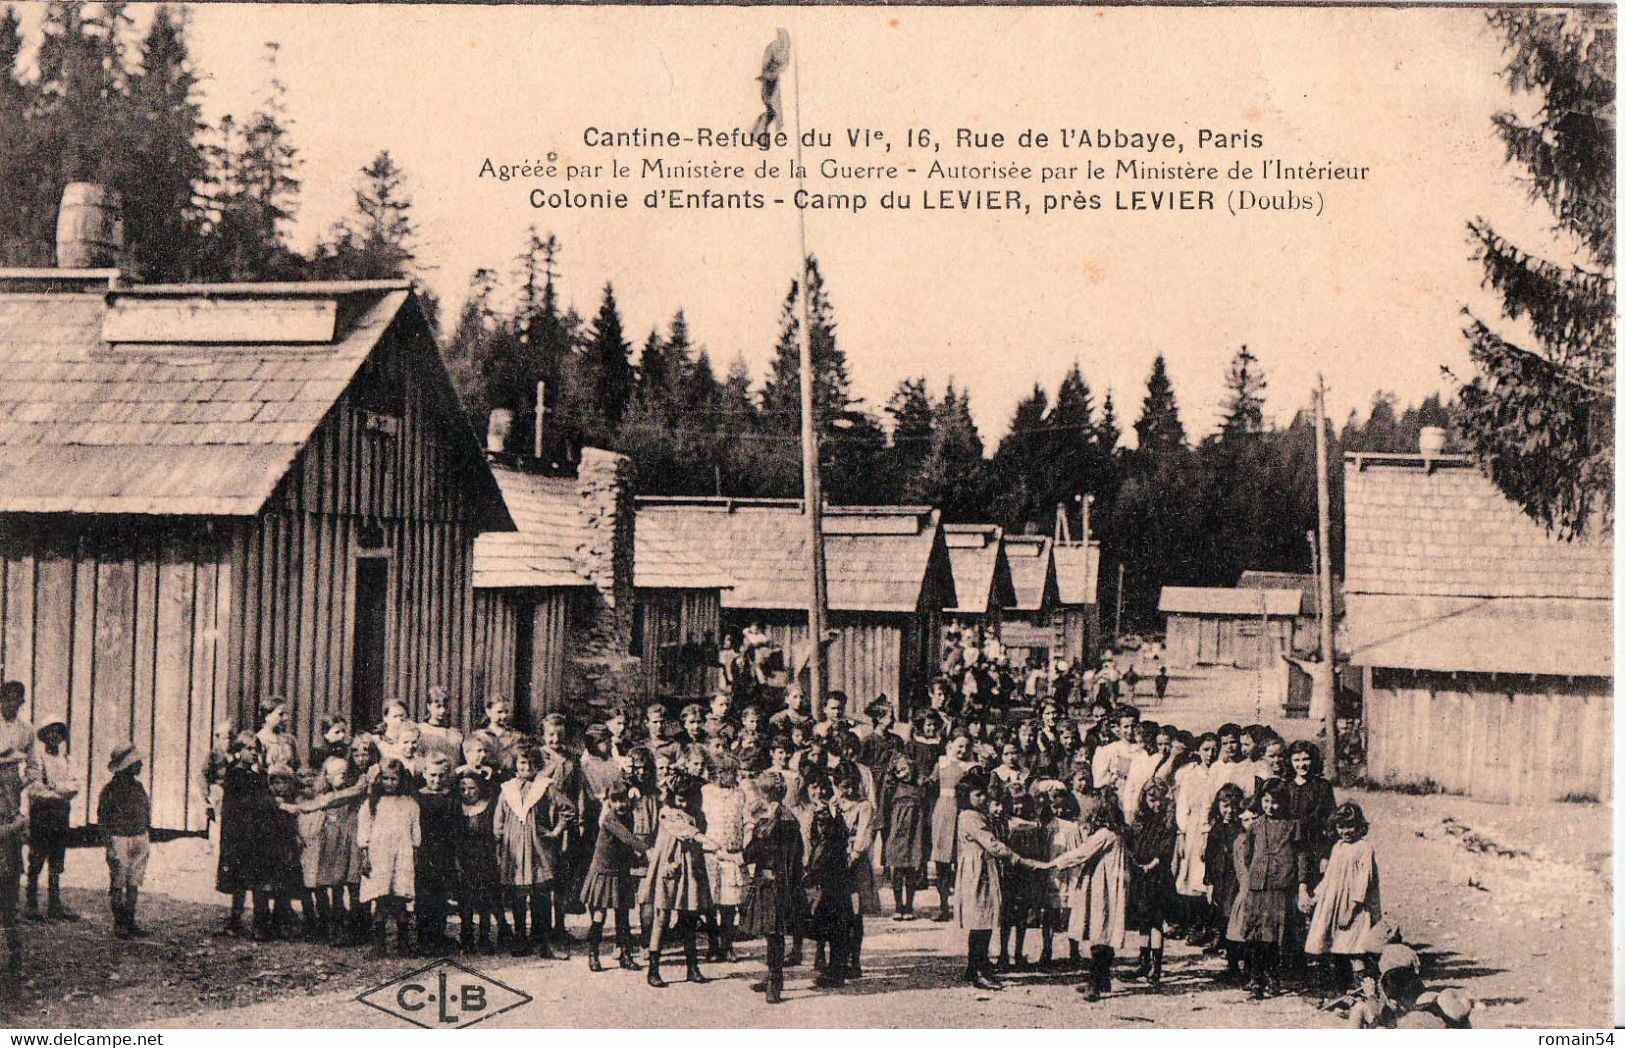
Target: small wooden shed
[(1306, 631), (1028, 627), (555, 607), (1077, 612), (1485, 644), (981, 573), (215, 494), (524, 582), (887, 568), (678, 625), (1246, 628)]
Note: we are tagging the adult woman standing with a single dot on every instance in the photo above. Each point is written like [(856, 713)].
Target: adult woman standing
[(1194, 786)]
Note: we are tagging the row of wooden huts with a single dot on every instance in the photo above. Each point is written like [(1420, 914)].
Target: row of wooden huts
[(212, 495)]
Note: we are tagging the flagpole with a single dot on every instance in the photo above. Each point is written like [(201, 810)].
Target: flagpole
[(812, 490)]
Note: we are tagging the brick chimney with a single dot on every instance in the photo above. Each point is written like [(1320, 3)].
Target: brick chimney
[(603, 672)]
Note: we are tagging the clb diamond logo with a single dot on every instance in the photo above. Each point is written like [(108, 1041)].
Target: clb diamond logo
[(444, 996)]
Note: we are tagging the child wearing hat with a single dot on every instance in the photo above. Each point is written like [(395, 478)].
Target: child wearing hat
[(48, 803), (124, 815)]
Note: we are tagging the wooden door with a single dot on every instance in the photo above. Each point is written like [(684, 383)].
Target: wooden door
[(1208, 637), (370, 640)]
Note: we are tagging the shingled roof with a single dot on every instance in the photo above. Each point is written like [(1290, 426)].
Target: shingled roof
[(178, 399), (877, 558), (1032, 571), (1077, 572), (981, 573), (1443, 572), (542, 552)]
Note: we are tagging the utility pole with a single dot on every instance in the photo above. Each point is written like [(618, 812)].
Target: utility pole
[(810, 486), (1117, 630), (1325, 682)]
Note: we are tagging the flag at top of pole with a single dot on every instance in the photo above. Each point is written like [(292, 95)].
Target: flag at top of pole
[(775, 60)]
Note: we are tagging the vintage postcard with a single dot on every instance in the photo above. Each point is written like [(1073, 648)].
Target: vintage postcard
[(869, 517)]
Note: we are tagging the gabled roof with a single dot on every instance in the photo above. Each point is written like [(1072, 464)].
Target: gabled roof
[(877, 558), (1205, 600), (1032, 571), (981, 572), (1303, 582), (542, 553), (1448, 530), (1443, 572), (1077, 572), (181, 399)]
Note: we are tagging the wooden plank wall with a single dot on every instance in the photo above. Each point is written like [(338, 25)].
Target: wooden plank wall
[(1182, 642), (115, 626), (495, 619), (379, 473), (1502, 739), (671, 618), (498, 615), (865, 662), (550, 628)]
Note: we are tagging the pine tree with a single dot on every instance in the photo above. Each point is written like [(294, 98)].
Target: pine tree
[(1542, 420), (470, 344), (258, 190), (1244, 403), (1159, 428), (832, 388), (913, 420), (953, 476), (167, 169), (376, 242), (21, 195), (1108, 433), (1019, 465), (611, 360)]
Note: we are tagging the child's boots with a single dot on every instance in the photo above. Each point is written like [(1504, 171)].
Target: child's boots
[(691, 961), (623, 939), (31, 908), (132, 897), (595, 939), (380, 938), (654, 978), (1144, 968), (1154, 978)]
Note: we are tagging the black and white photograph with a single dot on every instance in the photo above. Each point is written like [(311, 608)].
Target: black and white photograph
[(991, 518)]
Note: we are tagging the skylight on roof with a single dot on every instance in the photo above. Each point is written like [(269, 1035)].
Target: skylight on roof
[(211, 321)]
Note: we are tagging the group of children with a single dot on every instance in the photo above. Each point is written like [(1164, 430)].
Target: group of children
[(1118, 834), (36, 794)]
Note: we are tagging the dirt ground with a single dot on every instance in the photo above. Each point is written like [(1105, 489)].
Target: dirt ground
[(1511, 903)]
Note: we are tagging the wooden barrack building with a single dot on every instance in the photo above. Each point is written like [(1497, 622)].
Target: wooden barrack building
[(215, 494)]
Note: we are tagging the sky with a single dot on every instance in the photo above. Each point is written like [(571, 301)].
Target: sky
[(1370, 293)]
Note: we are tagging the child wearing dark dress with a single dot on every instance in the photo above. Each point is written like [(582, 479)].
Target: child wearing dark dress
[(1151, 875), (439, 817), (610, 886), (1220, 874), (1271, 863), (241, 786), (906, 821), (479, 876), (1022, 885), (774, 903)]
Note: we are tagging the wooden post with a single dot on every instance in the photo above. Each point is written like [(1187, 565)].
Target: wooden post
[(811, 489), (1117, 630), (1326, 680)]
